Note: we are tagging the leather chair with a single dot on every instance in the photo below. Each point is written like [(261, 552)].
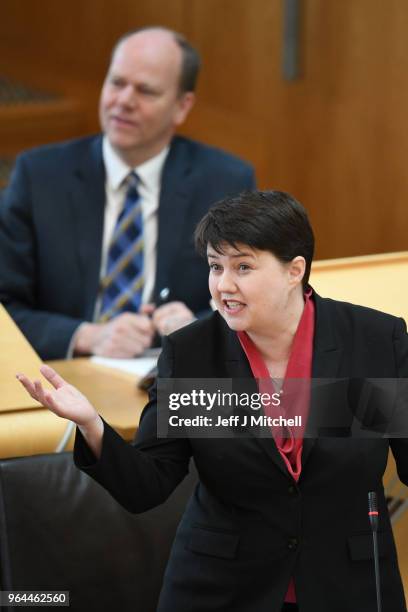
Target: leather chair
[(59, 530)]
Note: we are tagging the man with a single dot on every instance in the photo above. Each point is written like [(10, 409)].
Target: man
[(60, 221)]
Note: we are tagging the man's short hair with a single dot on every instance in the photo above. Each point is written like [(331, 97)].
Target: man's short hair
[(265, 220), (191, 62)]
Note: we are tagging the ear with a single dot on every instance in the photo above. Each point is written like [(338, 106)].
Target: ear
[(184, 105), (297, 268)]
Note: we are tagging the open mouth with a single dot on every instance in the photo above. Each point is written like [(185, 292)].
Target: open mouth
[(233, 306)]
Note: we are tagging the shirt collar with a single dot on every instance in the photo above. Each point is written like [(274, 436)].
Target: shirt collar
[(116, 170)]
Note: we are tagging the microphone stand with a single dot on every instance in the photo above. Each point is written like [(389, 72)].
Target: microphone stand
[(373, 516)]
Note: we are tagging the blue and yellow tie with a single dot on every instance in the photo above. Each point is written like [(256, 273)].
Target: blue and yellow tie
[(122, 285)]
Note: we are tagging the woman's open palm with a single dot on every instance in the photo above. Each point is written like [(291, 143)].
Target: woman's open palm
[(64, 399)]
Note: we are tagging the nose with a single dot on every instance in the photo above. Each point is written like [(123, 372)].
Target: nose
[(127, 96), (226, 283)]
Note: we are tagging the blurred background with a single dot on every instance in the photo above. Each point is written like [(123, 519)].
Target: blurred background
[(335, 135)]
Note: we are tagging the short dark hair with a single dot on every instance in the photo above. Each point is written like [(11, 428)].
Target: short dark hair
[(266, 220), (191, 62)]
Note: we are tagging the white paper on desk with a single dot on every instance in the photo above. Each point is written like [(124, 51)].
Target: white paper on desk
[(139, 367)]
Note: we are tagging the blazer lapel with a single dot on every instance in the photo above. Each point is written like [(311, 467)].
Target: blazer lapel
[(327, 355), (237, 367), (327, 359), (88, 204), (175, 196)]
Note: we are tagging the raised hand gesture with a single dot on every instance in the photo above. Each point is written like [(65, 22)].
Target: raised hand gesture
[(66, 402)]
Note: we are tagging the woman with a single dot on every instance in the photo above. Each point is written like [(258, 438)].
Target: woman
[(276, 523)]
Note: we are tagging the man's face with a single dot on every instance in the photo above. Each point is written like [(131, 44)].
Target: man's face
[(140, 104)]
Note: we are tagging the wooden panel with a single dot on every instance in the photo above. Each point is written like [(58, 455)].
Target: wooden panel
[(353, 70), (77, 36), (337, 138), (24, 126), (240, 45)]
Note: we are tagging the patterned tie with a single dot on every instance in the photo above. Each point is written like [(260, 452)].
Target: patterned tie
[(122, 285)]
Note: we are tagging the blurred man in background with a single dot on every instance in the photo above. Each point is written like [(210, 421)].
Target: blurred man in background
[(96, 248)]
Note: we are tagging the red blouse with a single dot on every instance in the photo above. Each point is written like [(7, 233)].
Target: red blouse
[(296, 386)]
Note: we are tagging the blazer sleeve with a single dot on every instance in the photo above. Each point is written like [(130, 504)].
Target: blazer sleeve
[(399, 445), (48, 332), (143, 475)]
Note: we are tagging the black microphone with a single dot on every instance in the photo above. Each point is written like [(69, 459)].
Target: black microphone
[(373, 517), (373, 510)]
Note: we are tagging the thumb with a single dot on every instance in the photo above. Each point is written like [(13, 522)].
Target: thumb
[(147, 309)]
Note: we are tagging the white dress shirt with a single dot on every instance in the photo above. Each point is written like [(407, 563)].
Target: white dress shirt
[(149, 173)]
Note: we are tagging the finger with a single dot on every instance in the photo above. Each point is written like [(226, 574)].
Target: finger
[(173, 309), (143, 324), (131, 337), (164, 308), (173, 323), (135, 344), (170, 325), (40, 393), (27, 384), (174, 306), (51, 375), (129, 323), (163, 318), (159, 316), (164, 326), (121, 348)]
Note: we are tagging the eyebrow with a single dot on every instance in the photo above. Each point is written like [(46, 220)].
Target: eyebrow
[(239, 254), (112, 74)]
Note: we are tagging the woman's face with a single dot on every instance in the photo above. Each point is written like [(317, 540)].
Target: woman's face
[(252, 289)]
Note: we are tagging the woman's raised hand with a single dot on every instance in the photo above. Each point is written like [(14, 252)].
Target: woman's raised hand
[(64, 400)]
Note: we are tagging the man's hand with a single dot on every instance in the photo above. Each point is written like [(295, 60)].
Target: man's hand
[(171, 316), (67, 402), (125, 336)]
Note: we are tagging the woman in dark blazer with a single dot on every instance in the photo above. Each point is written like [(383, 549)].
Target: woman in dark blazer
[(278, 520)]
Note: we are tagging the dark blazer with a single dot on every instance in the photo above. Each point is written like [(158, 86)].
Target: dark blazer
[(51, 226), (249, 526)]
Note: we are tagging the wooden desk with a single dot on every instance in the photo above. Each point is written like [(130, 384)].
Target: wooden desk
[(377, 281), (113, 393)]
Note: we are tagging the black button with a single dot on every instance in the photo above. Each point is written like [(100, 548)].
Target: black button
[(292, 490), (293, 543)]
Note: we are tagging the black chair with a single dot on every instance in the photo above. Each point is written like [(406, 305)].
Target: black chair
[(59, 530)]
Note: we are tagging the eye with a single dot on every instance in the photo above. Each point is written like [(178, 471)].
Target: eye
[(244, 267), (147, 91), (116, 81), (214, 267)]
